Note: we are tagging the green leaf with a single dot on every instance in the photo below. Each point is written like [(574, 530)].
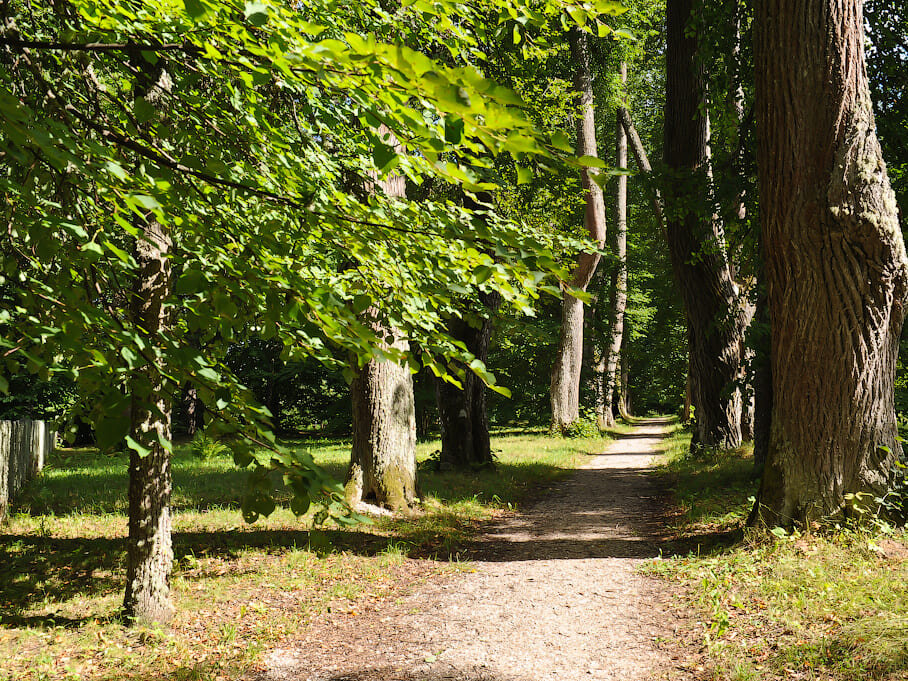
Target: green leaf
[(299, 504), (195, 9), (453, 129), (384, 156), (111, 429), (524, 175), (591, 162), (137, 448), (779, 532), (256, 13)]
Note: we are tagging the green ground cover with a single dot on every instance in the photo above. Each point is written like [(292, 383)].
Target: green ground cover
[(238, 588), (831, 604)]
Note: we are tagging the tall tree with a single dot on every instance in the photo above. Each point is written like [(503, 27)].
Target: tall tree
[(715, 319), (565, 381), (619, 273), (149, 549), (383, 454), (837, 273)]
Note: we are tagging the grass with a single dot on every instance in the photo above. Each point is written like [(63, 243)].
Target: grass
[(829, 605), (238, 589)]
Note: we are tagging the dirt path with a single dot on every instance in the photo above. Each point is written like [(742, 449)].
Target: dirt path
[(555, 595)]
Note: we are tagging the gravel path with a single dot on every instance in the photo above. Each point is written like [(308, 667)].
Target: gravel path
[(555, 595)]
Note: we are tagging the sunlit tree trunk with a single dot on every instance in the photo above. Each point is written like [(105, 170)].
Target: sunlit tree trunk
[(696, 243), (565, 379), (836, 269), (149, 551), (619, 275), (382, 467)]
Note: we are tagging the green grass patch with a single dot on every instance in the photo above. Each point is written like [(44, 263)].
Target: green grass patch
[(238, 588), (830, 606)]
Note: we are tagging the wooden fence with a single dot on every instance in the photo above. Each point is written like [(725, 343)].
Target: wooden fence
[(23, 447)]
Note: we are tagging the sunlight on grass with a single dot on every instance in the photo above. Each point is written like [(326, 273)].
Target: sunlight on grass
[(238, 588), (831, 606)]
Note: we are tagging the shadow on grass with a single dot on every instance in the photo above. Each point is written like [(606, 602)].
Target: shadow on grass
[(39, 571)]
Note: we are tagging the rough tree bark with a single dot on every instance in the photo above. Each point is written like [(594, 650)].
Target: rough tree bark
[(836, 269), (619, 273), (383, 456), (463, 413), (565, 380), (149, 551), (696, 245)]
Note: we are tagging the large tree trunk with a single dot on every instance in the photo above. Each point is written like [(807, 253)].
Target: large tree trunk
[(383, 456), (696, 244), (619, 276), (836, 268), (762, 370), (149, 551), (565, 382), (465, 440)]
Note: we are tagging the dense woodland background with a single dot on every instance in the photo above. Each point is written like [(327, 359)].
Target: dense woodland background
[(306, 397)]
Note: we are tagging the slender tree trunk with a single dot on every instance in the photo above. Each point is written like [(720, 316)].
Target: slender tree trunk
[(193, 408), (696, 243), (383, 456), (836, 269), (643, 164), (565, 380), (149, 551), (619, 301), (465, 440)]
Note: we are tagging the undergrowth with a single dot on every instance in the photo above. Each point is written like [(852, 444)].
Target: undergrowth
[(831, 605)]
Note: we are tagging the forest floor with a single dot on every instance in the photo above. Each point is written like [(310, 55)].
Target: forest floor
[(554, 592)]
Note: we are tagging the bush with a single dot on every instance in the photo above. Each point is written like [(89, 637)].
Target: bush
[(206, 447)]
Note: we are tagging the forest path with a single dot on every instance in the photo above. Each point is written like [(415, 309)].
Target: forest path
[(552, 593)]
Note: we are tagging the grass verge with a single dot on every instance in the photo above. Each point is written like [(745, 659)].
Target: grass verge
[(238, 588), (830, 605)]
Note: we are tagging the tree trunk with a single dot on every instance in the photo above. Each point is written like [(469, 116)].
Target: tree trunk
[(194, 409), (465, 440), (836, 268), (565, 381), (762, 368), (643, 164), (149, 551), (383, 456), (696, 243), (619, 299)]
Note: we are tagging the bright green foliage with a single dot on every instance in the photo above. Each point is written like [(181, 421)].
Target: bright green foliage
[(259, 162)]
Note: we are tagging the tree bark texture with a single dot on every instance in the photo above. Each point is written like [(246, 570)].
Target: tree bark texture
[(565, 380), (383, 456), (149, 549), (619, 274), (642, 159), (836, 268), (463, 413), (696, 244), (762, 371)]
